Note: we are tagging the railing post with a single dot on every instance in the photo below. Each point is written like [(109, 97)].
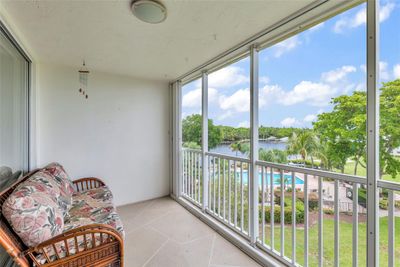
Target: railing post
[(372, 133), (204, 137), (253, 178)]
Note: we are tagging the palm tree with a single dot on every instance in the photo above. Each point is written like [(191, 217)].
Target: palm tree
[(236, 147), (240, 146), (274, 155), (305, 143), (321, 153)]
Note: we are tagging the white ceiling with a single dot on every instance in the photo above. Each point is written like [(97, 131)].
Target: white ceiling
[(111, 39)]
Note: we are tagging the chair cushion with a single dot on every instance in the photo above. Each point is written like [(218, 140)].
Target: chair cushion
[(33, 210), (100, 194), (66, 186), (93, 206)]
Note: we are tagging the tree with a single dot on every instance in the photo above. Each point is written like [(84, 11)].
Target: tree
[(192, 129), (305, 144), (235, 147), (274, 155), (389, 127), (192, 145), (240, 146), (343, 130)]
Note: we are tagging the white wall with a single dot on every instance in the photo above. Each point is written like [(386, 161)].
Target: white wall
[(119, 134)]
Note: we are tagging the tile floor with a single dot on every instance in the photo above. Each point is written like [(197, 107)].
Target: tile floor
[(162, 233)]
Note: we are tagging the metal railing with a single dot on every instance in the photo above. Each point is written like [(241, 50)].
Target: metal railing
[(192, 182), (295, 204), (392, 192), (229, 191), (314, 190)]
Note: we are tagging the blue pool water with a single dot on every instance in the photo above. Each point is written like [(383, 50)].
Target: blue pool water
[(267, 176)]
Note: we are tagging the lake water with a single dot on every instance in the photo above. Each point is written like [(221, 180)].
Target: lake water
[(225, 148)]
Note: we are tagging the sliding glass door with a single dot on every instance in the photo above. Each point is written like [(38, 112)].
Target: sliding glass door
[(14, 79)]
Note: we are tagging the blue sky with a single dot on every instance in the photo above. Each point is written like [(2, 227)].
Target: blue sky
[(299, 76)]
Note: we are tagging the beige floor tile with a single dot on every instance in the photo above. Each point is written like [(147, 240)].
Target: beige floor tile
[(162, 233), (141, 245), (192, 254), (155, 210), (181, 226), (226, 254), (128, 212)]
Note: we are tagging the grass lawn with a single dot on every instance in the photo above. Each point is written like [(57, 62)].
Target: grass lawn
[(345, 243), (349, 169)]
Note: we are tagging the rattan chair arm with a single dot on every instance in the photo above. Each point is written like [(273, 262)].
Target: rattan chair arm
[(107, 234), (87, 183)]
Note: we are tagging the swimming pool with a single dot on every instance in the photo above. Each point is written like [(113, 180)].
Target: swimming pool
[(267, 176)]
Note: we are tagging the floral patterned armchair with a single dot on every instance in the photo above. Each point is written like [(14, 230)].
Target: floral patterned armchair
[(49, 220)]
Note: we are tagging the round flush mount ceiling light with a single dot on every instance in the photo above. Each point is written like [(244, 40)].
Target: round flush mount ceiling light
[(149, 11)]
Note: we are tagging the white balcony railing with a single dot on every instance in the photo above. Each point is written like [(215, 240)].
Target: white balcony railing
[(192, 184), (295, 239)]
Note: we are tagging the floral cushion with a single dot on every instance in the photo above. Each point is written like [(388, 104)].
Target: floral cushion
[(88, 207), (93, 206), (100, 194), (33, 211), (66, 186)]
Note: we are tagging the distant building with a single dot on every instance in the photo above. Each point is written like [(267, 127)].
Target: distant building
[(284, 139)]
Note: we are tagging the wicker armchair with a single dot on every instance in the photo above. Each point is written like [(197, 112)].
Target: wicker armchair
[(89, 245)]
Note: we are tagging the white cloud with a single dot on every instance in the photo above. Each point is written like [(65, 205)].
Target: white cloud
[(385, 11), (337, 74), (227, 77), (224, 115), (264, 79), (238, 102), (315, 94), (339, 25), (269, 93), (383, 70), (311, 93), (360, 18), (289, 121), (245, 124), (310, 118), (192, 99), (286, 45), (396, 71), (360, 87)]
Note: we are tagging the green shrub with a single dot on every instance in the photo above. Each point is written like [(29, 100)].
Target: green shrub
[(308, 163), (287, 214), (312, 200), (329, 211), (383, 204), (384, 193)]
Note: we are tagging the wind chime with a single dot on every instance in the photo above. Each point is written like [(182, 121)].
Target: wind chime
[(83, 81)]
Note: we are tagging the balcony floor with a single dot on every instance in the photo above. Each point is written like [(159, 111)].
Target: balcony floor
[(161, 232)]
